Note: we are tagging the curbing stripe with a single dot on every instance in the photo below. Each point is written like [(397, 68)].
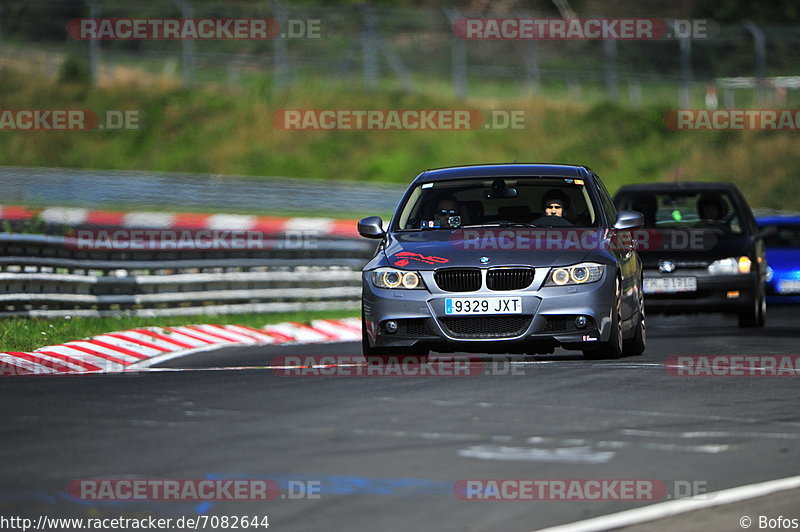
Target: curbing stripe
[(12, 365), (235, 336), (296, 333), (200, 335), (104, 358), (76, 363), (336, 329), (127, 350), (183, 220), (317, 330), (122, 345), (132, 338), (163, 338), (41, 361), (254, 333), (102, 353)]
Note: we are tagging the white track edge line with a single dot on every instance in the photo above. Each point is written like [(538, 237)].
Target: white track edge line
[(679, 506)]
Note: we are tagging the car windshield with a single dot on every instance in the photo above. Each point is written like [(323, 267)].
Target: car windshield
[(685, 209), (785, 236), (509, 201)]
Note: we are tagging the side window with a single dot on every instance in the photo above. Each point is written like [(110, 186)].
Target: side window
[(605, 199)]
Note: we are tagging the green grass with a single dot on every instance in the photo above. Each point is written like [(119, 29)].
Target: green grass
[(217, 130), (29, 334)]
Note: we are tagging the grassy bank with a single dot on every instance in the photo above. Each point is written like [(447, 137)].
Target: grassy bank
[(30, 334), (226, 132)]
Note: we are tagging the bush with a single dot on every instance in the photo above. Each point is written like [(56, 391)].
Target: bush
[(75, 70)]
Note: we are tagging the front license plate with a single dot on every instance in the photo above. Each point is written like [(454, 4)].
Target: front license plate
[(482, 305), (788, 286), (670, 285)]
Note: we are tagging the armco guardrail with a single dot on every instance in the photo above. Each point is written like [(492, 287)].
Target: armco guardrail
[(49, 276), (103, 189)]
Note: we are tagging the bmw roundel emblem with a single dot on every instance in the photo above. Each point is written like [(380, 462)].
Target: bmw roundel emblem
[(666, 266), (484, 260)]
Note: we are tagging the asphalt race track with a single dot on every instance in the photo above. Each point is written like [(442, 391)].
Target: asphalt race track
[(384, 453)]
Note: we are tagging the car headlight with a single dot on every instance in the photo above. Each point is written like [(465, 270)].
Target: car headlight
[(585, 272), (391, 278), (730, 266)]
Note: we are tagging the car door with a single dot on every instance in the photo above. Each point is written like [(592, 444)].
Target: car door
[(624, 251)]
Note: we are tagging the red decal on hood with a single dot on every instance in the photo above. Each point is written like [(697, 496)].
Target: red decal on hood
[(401, 263), (422, 258)]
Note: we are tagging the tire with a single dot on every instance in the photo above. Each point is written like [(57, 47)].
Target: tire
[(612, 348), (755, 316), (375, 355), (635, 346)]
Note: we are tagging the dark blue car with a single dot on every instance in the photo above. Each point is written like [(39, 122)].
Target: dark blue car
[(783, 254)]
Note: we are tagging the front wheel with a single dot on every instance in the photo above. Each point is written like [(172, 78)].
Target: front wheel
[(756, 315), (635, 346), (614, 346)]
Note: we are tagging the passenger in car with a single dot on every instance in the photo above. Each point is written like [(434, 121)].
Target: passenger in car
[(555, 210), (711, 207), (555, 203), (446, 208)]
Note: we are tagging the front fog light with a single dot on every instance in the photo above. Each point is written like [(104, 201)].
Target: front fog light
[(390, 326), (581, 321)]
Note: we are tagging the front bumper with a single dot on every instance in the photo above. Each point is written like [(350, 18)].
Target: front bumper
[(715, 293), (547, 319), (785, 284)]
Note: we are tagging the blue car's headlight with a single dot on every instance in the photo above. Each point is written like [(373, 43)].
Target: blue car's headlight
[(585, 272), (391, 278), (730, 266)]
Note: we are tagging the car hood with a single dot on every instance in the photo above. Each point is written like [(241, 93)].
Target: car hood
[(693, 248), (429, 250)]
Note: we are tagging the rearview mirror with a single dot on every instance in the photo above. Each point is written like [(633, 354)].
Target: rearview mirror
[(498, 190), (371, 227)]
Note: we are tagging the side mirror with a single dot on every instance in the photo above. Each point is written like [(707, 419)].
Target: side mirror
[(371, 227), (629, 220), (766, 232)]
